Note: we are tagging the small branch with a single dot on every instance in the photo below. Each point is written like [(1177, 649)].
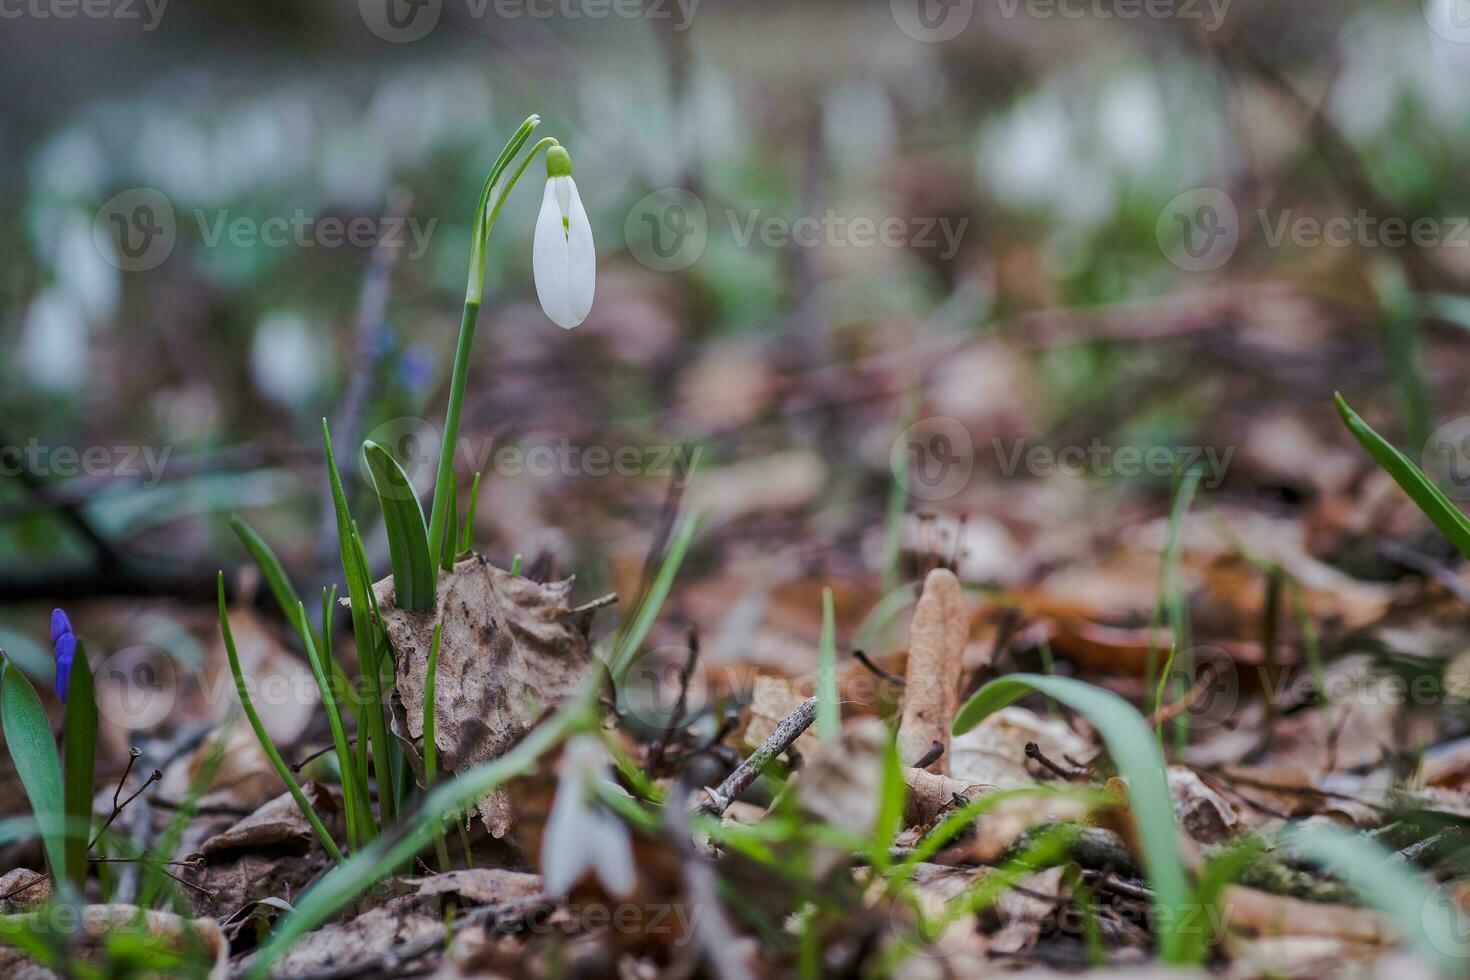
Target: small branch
[(875, 670), (928, 759), (777, 742), (117, 807), (656, 754), (1034, 753)]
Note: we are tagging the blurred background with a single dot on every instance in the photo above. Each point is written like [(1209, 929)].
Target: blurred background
[(968, 281)]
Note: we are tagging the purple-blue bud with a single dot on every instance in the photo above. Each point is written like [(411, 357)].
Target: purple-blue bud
[(60, 625), (66, 648)]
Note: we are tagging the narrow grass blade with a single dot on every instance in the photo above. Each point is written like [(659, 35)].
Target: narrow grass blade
[(363, 870), (893, 793), (829, 712), (627, 641), (431, 751), (1426, 920), (269, 747), (365, 631), (466, 541), (1430, 499), (414, 574), (79, 754), (280, 583), (32, 750), (355, 796), (1137, 755)]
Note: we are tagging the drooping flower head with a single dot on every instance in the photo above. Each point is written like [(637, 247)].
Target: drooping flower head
[(563, 257), (64, 648)]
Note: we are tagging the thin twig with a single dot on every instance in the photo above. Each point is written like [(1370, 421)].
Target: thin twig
[(874, 669), (656, 754), (788, 731)]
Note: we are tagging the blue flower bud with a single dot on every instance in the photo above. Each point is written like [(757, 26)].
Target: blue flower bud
[(66, 648), (60, 625)]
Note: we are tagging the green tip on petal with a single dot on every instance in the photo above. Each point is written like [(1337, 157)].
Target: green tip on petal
[(558, 162)]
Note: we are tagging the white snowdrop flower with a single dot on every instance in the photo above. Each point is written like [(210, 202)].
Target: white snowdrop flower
[(563, 257), (580, 835)]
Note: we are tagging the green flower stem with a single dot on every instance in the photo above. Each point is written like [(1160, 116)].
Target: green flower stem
[(474, 291)]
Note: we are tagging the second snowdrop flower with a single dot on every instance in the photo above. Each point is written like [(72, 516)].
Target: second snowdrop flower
[(563, 257)]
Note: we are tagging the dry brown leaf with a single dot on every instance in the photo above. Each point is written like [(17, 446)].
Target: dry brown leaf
[(1026, 910), (278, 825), (19, 895), (937, 636), (1263, 914), (1204, 814), (510, 650), (994, 751), (931, 795)]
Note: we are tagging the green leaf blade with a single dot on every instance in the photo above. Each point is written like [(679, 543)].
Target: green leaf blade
[(414, 570), (79, 748), (1429, 498), (1136, 752), (32, 748)]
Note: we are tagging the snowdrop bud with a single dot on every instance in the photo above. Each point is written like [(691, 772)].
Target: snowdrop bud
[(563, 257)]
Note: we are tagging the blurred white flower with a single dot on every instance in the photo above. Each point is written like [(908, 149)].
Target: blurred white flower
[(581, 836), (562, 257), (286, 359)]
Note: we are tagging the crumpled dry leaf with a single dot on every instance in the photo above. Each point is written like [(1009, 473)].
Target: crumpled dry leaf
[(937, 636), (931, 795), (994, 751), (510, 650), (277, 825), (20, 896), (1204, 814)]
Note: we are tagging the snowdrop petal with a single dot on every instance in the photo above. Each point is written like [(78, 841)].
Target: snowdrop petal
[(563, 256), (580, 836)]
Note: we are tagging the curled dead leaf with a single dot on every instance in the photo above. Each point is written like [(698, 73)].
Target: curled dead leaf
[(937, 636)]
